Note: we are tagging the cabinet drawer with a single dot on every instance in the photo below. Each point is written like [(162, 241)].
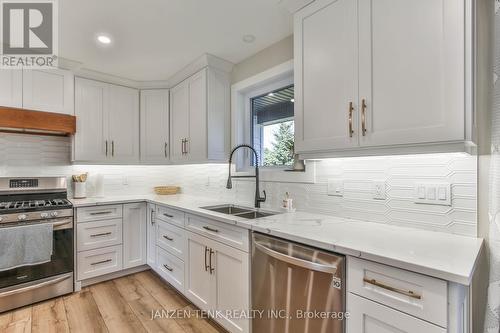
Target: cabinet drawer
[(171, 238), (367, 316), (170, 268), (416, 294), (170, 215), (227, 234), (96, 213), (98, 262), (94, 235)]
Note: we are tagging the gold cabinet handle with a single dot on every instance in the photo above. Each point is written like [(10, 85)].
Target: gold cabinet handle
[(186, 142), (182, 146), (168, 238), (408, 293), (113, 148), (363, 116), (351, 109), (168, 268)]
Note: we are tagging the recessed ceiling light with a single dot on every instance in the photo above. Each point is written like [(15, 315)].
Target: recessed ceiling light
[(248, 38), (292, 100), (270, 94), (103, 39)]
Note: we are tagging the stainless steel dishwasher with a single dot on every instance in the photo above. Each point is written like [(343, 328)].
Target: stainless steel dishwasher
[(295, 288)]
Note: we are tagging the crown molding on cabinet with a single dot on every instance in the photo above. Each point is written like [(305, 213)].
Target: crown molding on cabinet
[(206, 60), (295, 5)]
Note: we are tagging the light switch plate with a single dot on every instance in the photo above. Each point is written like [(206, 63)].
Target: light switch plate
[(336, 187), (379, 190), (433, 194)]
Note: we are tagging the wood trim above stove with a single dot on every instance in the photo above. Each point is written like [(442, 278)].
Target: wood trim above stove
[(36, 122)]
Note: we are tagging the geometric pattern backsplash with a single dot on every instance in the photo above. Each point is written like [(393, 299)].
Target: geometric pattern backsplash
[(26, 155)]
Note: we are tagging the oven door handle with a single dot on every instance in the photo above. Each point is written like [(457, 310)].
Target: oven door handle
[(35, 286), (296, 261), (58, 224)]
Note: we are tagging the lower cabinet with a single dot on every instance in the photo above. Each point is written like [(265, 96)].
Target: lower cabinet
[(93, 263), (217, 279), (151, 236), (370, 317), (108, 241), (134, 235), (170, 268)]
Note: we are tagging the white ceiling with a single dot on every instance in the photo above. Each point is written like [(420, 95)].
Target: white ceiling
[(153, 39)]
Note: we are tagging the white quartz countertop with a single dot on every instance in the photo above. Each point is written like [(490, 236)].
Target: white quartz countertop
[(442, 255)]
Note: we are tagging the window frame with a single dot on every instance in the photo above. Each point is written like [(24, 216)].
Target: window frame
[(252, 127), (242, 92)]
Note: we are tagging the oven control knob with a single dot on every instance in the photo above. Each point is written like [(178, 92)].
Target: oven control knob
[(44, 215), (54, 214), (22, 217)]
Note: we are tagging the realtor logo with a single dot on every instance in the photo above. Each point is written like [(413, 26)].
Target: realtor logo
[(29, 33)]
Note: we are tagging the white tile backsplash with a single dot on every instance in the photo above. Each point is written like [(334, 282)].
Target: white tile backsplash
[(26, 155)]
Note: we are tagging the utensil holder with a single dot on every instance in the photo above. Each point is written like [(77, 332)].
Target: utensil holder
[(80, 190)]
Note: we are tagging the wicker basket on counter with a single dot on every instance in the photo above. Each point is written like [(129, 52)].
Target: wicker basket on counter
[(166, 190)]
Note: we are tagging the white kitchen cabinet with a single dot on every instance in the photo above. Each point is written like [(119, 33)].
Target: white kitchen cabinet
[(89, 143), (401, 64), (170, 268), (199, 281), (412, 71), (107, 123), (232, 285), (217, 278), (11, 88), (370, 317), (199, 117), (50, 90), (326, 75), (123, 123), (179, 120), (151, 236), (155, 125), (134, 235)]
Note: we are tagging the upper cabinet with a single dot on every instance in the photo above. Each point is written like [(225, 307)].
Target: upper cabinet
[(380, 74), (11, 88), (155, 126), (49, 90), (107, 123), (199, 117)]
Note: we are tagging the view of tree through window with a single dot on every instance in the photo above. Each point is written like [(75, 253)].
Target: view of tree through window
[(273, 127)]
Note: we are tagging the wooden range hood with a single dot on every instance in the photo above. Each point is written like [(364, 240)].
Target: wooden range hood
[(36, 122)]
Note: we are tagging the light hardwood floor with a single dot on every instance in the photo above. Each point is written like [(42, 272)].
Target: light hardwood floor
[(121, 305)]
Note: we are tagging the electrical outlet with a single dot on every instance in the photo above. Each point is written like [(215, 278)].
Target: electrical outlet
[(433, 193), (336, 187), (379, 190)]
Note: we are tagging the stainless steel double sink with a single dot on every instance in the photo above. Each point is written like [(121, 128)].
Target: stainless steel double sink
[(240, 211)]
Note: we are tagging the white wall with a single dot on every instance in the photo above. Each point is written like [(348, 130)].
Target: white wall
[(271, 56), (25, 155)]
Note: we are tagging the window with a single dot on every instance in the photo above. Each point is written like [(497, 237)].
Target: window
[(272, 127)]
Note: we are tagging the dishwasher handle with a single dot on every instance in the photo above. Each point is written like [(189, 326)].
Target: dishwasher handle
[(295, 261)]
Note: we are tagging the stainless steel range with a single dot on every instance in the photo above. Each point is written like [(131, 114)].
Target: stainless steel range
[(31, 202)]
